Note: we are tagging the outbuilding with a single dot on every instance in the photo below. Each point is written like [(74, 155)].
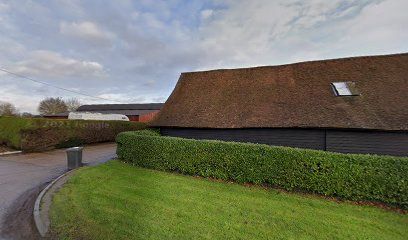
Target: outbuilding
[(135, 112), (349, 105)]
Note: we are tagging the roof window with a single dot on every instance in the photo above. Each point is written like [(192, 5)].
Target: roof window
[(345, 89)]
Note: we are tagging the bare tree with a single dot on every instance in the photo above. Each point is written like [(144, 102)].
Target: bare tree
[(27, 115), (72, 104), (52, 106), (7, 109)]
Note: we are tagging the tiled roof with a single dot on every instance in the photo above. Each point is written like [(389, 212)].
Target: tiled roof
[(296, 95)]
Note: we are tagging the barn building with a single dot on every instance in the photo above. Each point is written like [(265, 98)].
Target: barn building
[(135, 112), (350, 105), (63, 115)]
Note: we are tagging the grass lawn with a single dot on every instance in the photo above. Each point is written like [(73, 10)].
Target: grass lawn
[(118, 201)]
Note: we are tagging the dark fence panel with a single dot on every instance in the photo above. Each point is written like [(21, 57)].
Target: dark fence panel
[(344, 141), (301, 138), (373, 142)]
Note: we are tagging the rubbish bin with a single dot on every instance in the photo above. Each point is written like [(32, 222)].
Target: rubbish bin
[(74, 157)]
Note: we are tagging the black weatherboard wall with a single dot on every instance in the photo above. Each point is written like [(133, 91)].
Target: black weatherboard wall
[(344, 141), (374, 142)]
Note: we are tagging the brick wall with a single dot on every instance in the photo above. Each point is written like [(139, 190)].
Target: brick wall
[(148, 117)]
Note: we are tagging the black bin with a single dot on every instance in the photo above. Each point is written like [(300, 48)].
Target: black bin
[(74, 157)]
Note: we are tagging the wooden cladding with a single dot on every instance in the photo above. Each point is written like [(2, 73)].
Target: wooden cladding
[(382, 143), (344, 141)]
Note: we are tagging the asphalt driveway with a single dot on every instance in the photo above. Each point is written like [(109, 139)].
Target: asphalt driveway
[(23, 176)]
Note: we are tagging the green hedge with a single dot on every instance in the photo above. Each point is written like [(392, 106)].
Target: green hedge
[(10, 128), (347, 176), (145, 132), (39, 134)]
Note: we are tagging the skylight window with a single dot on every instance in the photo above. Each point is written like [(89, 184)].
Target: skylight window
[(345, 89)]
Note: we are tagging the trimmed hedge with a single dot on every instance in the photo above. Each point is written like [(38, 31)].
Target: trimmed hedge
[(348, 176), (145, 132), (39, 134), (10, 128)]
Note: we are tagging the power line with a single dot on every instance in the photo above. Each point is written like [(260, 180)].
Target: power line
[(61, 88)]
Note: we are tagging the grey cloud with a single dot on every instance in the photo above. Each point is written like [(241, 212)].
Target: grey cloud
[(271, 32), (86, 31), (51, 64), (135, 50)]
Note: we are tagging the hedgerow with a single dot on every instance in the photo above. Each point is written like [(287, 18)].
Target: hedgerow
[(144, 132), (347, 176), (39, 134), (10, 128)]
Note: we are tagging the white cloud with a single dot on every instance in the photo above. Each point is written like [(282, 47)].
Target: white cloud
[(44, 63), (86, 30), (245, 32), (264, 32), (379, 27), (5, 22), (150, 83), (152, 21), (4, 7), (122, 98), (17, 96), (207, 13), (128, 98), (10, 49)]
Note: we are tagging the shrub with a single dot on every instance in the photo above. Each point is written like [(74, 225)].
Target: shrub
[(145, 132), (10, 128), (347, 176), (38, 134), (72, 142)]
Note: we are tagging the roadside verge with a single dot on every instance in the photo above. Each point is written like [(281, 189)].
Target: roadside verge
[(10, 153), (43, 203)]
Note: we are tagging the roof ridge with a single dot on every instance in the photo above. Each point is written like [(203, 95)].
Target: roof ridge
[(129, 106), (299, 63), (119, 104)]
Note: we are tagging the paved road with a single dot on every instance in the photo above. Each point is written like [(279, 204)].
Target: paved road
[(23, 176)]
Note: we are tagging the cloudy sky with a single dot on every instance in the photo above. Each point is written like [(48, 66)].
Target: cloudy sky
[(134, 51)]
